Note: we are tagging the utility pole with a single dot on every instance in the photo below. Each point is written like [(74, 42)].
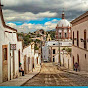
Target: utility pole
[(59, 51)]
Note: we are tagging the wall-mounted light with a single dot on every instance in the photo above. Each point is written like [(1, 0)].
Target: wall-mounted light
[(82, 40), (75, 38)]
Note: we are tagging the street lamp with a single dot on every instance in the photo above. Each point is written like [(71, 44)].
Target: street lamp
[(59, 51), (63, 57)]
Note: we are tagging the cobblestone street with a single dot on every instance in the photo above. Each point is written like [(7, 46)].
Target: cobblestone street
[(50, 76)]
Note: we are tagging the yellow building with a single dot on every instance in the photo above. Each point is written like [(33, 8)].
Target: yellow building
[(48, 38)]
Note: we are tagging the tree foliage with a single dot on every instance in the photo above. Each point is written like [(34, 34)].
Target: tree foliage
[(52, 34)]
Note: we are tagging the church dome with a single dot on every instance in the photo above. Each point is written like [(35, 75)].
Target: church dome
[(64, 23)]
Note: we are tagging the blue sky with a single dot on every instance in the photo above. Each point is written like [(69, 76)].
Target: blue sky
[(33, 25), (41, 21)]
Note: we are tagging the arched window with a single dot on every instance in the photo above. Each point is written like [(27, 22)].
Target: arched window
[(85, 45), (53, 51), (65, 35), (59, 35), (73, 37), (78, 38)]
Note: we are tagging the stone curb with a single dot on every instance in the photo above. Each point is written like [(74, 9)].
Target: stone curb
[(21, 84), (30, 78), (73, 72)]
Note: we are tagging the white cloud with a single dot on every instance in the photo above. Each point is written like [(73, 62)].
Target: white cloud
[(50, 25), (55, 20), (32, 27)]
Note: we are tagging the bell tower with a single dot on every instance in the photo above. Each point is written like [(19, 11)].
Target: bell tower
[(63, 15)]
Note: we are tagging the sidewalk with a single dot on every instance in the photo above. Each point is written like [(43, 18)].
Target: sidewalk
[(21, 80), (82, 73)]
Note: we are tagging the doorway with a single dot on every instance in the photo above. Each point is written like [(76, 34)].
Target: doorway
[(78, 38), (19, 58), (33, 62), (37, 60), (53, 59), (5, 63), (28, 63), (78, 58), (25, 64), (73, 62), (85, 45)]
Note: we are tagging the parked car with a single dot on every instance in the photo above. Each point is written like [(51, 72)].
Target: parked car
[(45, 61)]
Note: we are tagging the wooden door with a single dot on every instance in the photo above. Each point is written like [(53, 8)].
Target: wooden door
[(19, 58), (53, 59), (33, 62), (37, 60), (5, 63), (78, 59), (68, 63), (28, 63), (73, 62)]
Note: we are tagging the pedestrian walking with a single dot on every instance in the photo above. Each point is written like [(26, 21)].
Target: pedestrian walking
[(76, 65)]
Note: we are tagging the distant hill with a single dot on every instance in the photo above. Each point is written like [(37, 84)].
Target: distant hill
[(51, 30)]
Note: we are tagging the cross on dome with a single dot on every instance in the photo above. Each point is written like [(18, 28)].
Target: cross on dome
[(63, 15)]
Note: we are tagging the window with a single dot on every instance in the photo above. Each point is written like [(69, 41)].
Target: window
[(78, 58), (85, 39), (5, 54), (53, 51), (65, 35), (73, 37), (60, 35), (77, 38), (85, 56), (28, 60)]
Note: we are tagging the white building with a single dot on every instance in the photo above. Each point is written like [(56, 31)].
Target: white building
[(12, 53), (50, 52), (9, 49)]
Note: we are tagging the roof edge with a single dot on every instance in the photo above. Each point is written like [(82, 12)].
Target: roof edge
[(79, 17), (3, 22)]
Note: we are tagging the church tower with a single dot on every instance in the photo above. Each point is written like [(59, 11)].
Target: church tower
[(48, 38), (63, 29)]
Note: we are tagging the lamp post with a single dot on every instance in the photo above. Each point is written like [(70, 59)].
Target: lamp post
[(63, 57), (59, 51)]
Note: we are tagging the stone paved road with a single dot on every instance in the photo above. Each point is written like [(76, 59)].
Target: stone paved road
[(50, 76)]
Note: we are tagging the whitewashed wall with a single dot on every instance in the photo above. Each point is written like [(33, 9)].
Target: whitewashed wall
[(66, 60)]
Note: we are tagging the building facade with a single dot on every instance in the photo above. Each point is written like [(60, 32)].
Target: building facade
[(80, 41), (50, 52), (12, 53)]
